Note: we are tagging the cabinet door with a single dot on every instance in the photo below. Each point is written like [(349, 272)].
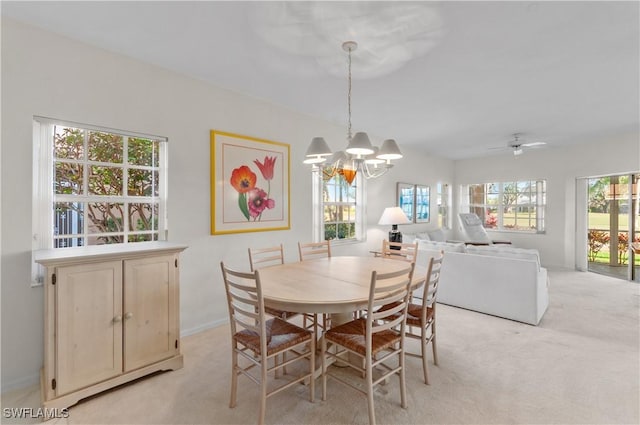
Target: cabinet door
[(150, 310), (88, 327)]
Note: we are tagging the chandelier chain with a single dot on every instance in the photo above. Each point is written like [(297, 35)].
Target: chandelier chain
[(349, 99)]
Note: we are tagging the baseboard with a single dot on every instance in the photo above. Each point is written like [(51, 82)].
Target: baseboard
[(203, 327), (20, 383)]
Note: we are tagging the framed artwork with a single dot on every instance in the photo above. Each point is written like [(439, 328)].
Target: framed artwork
[(414, 201), (250, 187), (405, 194), (422, 204)]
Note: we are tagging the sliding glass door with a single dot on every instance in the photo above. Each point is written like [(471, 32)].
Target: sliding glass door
[(613, 221)]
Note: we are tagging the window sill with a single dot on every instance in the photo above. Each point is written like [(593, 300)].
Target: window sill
[(519, 232), (340, 242)]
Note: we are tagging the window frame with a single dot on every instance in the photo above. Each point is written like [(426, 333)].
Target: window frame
[(497, 189), (319, 205), (44, 196), (443, 203)]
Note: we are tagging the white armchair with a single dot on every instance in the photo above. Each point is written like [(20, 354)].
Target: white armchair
[(474, 231)]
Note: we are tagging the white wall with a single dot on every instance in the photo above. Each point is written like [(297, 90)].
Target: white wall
[(47, 75), (560, 167)]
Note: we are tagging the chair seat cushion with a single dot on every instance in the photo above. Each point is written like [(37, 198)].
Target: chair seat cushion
[(351, 335), (414, 313), (280, 336)]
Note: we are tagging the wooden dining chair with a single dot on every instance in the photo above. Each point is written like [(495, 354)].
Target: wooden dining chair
[(309, 251), (399, 250), (421, 318), (257, 341), (375, 339), (264, 257)]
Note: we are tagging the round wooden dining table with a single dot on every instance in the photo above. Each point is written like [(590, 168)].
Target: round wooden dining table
[(327, 285)]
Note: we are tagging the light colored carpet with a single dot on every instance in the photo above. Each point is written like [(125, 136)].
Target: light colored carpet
[(580, 366)]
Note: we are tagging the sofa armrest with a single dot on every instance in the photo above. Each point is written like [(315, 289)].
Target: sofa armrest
[(512, 288)]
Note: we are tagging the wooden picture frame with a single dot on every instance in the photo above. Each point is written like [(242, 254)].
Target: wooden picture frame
[(250, 184)]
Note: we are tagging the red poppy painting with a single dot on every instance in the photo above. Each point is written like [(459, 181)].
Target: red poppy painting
[(249, 184)]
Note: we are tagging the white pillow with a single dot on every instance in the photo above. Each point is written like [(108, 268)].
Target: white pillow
[(440, 246), (409, 237), (423, 236), (436, 235)]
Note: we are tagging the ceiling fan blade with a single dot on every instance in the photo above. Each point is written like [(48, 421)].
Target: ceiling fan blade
[(529, 145)]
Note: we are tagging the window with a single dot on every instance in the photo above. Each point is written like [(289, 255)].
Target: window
[(338, 211), (95, 186), (518, 206), (444, 200)]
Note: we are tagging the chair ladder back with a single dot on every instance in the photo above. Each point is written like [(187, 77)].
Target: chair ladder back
[(244, 299), (311, 250), (432, 280), (400, 251), (388, 289), (264, 257)]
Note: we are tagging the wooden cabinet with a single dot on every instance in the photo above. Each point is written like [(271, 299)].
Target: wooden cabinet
[(111, 316)]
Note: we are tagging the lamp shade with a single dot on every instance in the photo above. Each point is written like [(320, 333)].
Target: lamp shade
[(360, 145), (318, 147), (317, 151), (393, 215), (389, 150)]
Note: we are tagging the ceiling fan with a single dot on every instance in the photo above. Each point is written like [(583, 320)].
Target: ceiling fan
[(517, 145)]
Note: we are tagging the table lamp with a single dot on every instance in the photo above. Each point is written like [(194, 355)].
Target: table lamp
[(394, 216)]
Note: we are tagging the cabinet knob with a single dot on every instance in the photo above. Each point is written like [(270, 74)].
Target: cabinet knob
[(128, 315), (117, 319)]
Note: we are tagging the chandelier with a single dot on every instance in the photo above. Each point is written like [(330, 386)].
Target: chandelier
[(360, 156)]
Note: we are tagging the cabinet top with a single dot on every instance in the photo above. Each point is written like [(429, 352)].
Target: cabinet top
[(105, 252)]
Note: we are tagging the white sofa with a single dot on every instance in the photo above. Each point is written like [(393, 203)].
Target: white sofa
[(499, 280)]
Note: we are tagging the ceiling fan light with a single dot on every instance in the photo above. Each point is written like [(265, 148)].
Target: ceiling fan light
[(517, 151), (360, 144), (389, 150)]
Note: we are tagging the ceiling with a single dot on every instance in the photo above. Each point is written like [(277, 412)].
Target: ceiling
[(452, 79)]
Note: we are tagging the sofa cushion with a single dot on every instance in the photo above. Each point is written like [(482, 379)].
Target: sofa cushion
[(423, 236), (408, 237), (440, 246), (505, 251), (436, 235)]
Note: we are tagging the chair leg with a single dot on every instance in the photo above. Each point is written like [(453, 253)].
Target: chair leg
[(315, 326), (312, 369), (263, 389), (424, 355), (323, 349), (234, 375), (403, 388), (369, 373), (433, 342)]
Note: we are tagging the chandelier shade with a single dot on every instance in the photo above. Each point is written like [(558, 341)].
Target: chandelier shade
[(360, 145), (317, 152), (360, 156), (389, 150)]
